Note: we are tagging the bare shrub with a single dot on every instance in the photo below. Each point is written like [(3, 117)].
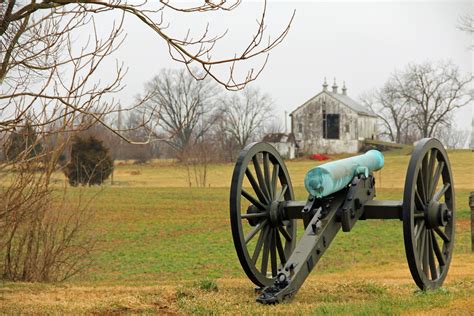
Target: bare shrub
[(41, 232), (196, 159)]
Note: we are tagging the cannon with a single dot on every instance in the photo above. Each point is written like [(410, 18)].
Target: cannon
[(264, 214)]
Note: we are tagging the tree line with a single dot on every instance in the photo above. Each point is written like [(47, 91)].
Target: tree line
[(187, 115), (198, 122), (420, 101)]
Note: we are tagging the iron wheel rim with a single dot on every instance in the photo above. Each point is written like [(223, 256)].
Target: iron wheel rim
[(268, 232), (428, 259)]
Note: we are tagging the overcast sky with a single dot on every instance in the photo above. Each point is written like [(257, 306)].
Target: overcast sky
[(360, 43)]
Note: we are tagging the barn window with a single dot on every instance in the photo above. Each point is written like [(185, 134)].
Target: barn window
[(346, 128), (330, 126), (300, 128)]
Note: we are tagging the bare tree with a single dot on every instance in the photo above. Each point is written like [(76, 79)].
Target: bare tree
[(48, 72), (466, 23), (48, 85), (246, 113), (181, 107), (189, 49), (136, 131), (452, 137), (273, 126), (226, 148), (393, 112), (50, 78), (434, 91), (421, 97)]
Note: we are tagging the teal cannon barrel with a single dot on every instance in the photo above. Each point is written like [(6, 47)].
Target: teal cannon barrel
[(333, 176)]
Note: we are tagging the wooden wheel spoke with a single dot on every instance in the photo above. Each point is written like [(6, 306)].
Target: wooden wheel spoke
[(433, 268), (419, 215), (419, 201), (266, 172), (252, 200), (281, 251), (434, 184), (255, 230), (258, 247), (431, 164), (266, 250), (426, 176), (441, 192), (276, 170), (437, 251), (441, 234), (426, 253), (254, 215), (256, 187), (420, 186), (285, 234), (422, 246), (282, 192), (273, 258), (260, 178), (418, 230)]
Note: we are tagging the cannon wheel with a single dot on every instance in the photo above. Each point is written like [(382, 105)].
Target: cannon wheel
[(428, 214), (263, 238)]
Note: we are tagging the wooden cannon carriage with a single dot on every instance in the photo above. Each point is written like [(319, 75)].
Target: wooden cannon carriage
[(341, 192)]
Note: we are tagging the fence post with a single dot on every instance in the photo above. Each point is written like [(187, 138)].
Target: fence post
[(471, 204)]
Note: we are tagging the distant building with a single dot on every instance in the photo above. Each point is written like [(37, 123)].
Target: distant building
[(332, 122), (285, 144)]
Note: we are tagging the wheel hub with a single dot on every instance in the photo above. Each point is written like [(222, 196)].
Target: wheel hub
[(273, 213), (437, 214)]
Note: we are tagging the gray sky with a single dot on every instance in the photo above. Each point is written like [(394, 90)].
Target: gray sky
[(360, 43)]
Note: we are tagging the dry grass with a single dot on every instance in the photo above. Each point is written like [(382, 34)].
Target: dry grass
[(161, 174), (161, 241), (359, 290)]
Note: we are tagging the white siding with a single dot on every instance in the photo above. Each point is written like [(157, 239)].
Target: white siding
[(287, 150), (308, 128)]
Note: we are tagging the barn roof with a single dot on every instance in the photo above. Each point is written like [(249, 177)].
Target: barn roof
[(353, 104), (344, 99), (279, 138)]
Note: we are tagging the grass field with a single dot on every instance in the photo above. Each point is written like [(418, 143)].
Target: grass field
[(166, 248)]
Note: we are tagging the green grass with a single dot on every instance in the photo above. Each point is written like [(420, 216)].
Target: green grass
[(155, 234), (165, 247)]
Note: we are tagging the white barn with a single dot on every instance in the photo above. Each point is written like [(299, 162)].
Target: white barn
[(332, 122), (285, 144)]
